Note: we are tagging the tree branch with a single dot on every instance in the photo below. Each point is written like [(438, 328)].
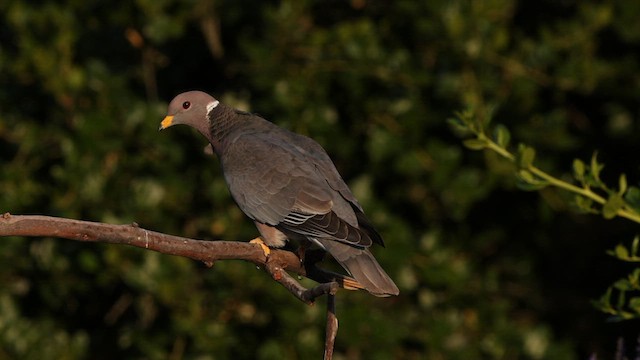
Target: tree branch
[(277, 264), (332, 327)]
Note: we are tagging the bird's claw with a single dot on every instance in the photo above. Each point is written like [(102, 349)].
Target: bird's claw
[(260, 242)]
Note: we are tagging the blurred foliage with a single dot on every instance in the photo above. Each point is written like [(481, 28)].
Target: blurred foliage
[(485, 271), (593, 196), (627, 290)]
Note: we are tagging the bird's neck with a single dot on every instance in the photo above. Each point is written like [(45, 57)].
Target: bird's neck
[(223, 120)]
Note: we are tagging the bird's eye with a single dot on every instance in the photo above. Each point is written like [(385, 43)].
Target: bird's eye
[(186, 105)]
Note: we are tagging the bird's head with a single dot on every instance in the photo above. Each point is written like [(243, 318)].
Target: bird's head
[(190, 108)]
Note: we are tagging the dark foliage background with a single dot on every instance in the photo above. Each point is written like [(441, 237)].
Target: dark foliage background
[(485, 270)]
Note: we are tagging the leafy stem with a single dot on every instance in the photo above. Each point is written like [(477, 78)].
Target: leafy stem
[(621, 299), (623, 202)]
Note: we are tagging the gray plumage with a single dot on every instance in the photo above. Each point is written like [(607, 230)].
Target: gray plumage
[(287, 184)]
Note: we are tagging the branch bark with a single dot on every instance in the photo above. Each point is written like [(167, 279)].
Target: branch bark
[(332, 327), (277, 264)]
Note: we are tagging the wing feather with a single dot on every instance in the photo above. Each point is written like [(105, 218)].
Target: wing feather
[(287, 180)]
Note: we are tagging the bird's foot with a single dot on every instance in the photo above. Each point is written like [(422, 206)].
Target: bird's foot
[(261, 243)]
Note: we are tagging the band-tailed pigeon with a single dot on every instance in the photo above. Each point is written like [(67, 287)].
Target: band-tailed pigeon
[(287, 184)]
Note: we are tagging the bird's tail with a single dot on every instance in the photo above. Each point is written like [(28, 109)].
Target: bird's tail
[(361, 264)]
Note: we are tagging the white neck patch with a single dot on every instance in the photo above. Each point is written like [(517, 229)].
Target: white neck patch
[(212, 105)]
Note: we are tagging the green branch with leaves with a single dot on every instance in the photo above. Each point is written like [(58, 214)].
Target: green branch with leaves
[(591, 195)]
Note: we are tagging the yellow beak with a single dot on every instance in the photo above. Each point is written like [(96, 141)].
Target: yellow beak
[(168, 121)]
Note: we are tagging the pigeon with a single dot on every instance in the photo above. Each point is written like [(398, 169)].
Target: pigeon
[(287, 184)]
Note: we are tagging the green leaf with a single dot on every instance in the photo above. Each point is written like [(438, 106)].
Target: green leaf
[(596, 168), (501, 135), (625, 315), (526, 176), (611, 207), (526, 155), (458, 125), (604, 302), (633, 279), (622, 184), (465, 122), (622, 285), (475, 144), (632, 196), (634, 304), (578, 169), (621, 252), (631, 255), (529, 182), (585, 204)]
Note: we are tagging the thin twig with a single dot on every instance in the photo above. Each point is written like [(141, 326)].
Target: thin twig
[(332, 327), (305, 295)]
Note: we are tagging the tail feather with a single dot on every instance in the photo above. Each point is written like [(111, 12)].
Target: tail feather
[(361, 264)]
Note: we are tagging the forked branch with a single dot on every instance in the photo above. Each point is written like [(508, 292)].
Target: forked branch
[(278, 264)]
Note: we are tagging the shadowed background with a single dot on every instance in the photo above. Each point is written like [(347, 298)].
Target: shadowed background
[(484, 269)]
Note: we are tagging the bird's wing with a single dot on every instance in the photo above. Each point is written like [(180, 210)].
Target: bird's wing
[(282, 182), (325, 166), (346, 205)]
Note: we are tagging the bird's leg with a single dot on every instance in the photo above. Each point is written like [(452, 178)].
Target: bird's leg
[(302, 250), (262, 244), (270, 236)]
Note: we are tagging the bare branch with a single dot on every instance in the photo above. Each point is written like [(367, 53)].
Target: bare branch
[(332, 327), (277, 264)]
